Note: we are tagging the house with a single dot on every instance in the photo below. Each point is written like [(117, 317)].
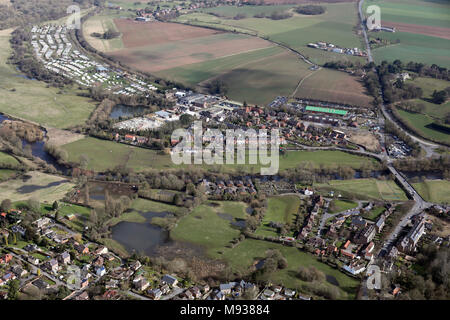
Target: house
[(101, 271), (155, 294), (196, 292), (188, 294), (365, 235), (98, 262), (205, 288), (289, 293), (64, 258), (52, 265), (33, 260), (6, 258), (19, 271), (225, 288), (409, 242), (358, 222), (169, 280), (380, 223), (141, 284), (135, 265), (354, 269), (30, 247), (81, 248), (111, 284), (83, 296), (269, 293), (42, 222), (165, 289)]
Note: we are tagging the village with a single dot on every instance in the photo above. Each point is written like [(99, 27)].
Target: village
[(56, 260)]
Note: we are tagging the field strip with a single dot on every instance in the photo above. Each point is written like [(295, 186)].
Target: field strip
[(237, 53), (300, 83), (236, 67)]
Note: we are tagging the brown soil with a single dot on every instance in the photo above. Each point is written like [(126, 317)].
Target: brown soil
[(439, 32)]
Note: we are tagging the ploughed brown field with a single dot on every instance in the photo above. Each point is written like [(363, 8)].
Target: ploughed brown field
[(157, 46), (139, 34), (439, 32)]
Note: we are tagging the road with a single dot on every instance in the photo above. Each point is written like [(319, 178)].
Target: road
[(364, 30)]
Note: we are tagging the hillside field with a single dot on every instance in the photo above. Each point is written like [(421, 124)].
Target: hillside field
[(422, 28)]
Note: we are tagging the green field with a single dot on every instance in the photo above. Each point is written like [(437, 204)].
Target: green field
[(335, 25), (33, 101), (6, 174), (103, 155), (413, 46), (280, 209), (336, 86), (6, 159), (139, 206), (248, 252), (204, 227), (256, 76), (422, 123), (432, 112), (40, 186), (342, 205), (434, 190), (366, 188), (100, 24)]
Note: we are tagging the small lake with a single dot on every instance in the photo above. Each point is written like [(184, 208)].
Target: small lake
[(38, 149), (141, 237), (123, 111)]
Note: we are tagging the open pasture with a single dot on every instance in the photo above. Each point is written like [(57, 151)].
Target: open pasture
[(422, 31), (35, 185)]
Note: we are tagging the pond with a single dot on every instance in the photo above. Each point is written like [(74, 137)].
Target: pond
[(38, 149), (141, 237), (123, 111), (332, 280)]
